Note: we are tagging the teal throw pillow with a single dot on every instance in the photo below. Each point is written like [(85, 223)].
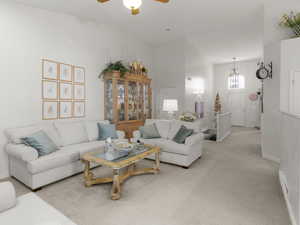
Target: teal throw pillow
[(182, 134), (41, 142), (106, 131), (149, 132)]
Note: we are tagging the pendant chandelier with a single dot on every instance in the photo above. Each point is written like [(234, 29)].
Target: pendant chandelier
[(234, 76)]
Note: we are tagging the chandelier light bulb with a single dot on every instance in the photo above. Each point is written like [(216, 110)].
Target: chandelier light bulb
[(132, 4)]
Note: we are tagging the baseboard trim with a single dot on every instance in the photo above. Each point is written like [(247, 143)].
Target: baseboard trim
[(271, 157), (283, 184)]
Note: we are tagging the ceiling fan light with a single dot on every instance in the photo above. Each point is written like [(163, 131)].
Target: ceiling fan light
[(132, 4)]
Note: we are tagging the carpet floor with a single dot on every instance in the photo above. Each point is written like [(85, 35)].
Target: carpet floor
[(230, 185)]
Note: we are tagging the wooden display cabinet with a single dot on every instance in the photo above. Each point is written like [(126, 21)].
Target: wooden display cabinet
[(128, 100)]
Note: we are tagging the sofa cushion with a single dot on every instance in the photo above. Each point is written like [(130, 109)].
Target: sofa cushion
[(52, 132), (72, 132), (92, 128), (65, 155), (14, 135), (41, 142), (163, 127), (168, 146)]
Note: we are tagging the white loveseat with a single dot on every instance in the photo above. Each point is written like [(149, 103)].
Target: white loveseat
[(28, 209), (172, 152), (73, 139)]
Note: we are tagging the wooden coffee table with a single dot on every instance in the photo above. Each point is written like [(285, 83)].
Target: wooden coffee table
[(128, 162)]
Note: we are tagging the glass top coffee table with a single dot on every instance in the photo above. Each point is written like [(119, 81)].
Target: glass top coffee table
[(121, 161)]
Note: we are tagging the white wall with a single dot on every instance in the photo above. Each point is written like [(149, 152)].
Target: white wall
[(28, 35), (252, 85)]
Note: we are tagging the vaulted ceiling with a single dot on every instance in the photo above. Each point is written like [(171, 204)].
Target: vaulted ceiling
[(238, 22)]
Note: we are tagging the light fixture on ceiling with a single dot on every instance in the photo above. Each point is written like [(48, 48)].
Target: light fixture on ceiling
[(133, 5)]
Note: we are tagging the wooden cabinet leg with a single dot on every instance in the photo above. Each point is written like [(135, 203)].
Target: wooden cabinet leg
[(116, 188)]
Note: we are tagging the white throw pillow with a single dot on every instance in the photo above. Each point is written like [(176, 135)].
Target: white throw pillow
[(175, 126), (15, 134), (72, 132), (92, 128), (163, 127)]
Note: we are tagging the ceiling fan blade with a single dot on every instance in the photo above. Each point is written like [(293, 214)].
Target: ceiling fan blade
[(135, 11), (163, 1), (102, 1)]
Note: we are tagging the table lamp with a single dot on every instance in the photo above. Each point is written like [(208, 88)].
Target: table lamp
[(170, 106)]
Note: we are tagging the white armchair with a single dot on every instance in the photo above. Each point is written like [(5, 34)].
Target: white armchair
[(28, 209), (172, 152)]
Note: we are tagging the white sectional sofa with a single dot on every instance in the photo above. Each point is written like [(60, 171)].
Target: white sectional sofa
[(171, 152), (73, 138), (28, 209)]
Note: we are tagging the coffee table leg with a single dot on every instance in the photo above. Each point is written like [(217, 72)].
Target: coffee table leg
[(157, 162), (116, 188), (88, 175)]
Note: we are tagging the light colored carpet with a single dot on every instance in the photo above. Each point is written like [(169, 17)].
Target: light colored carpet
[(230, 185)]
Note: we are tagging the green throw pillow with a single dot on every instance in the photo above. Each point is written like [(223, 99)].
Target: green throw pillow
[(41, 142), (106, 131), (149, 132), (182, 134)]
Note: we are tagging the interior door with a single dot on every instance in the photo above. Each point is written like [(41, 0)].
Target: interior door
[(237, 107)]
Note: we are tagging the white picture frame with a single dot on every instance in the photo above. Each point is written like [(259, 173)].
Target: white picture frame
[(65, 110), (49, 90), (79, 75), (50, 69), (65, 91), (50, 110), (79, 92), (65, 72), (79, 109)]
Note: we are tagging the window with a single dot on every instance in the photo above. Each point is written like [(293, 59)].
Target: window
[(236, 81)]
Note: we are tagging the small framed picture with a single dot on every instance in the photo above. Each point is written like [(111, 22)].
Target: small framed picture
[(79, 75), (50, 110), (65, 91), (65, 73), (50, 90), (79, 92), (50, 69), (65, 110), (79, 109)]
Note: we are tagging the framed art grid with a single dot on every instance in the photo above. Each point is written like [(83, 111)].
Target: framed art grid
[(63, 90)]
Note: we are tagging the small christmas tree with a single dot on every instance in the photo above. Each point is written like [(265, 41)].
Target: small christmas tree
[(218, 104)]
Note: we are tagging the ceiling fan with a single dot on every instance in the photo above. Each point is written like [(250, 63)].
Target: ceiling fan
[(134, 5)]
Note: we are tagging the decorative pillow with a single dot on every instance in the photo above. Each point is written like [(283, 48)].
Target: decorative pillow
[(106, 130), (7, 196), (175, 126), (41, 142), (71, 132), (182, 134), (149, 131), (92, 128), (163, 127)]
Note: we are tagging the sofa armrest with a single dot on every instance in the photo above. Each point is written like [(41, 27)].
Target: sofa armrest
[(7, 196), (121, 134), (194, 139), (22, 152)]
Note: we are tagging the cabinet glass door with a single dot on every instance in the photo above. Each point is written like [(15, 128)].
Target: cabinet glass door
[(141, 101), (121, 100), (109, 100), (147, 107), (132, 101)]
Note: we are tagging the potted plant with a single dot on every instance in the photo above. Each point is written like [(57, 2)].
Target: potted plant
[(116, 66), (291, 21)]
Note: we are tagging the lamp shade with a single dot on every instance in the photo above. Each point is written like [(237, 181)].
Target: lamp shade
[(132, 4), (170, 105)]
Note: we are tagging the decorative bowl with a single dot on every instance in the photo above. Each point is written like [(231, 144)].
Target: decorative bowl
[(122, 145)]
